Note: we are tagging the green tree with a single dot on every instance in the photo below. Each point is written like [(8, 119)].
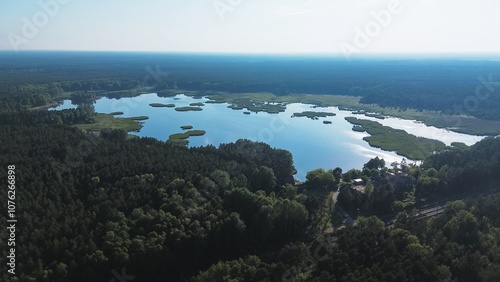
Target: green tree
[(320, 179), (263, 179)]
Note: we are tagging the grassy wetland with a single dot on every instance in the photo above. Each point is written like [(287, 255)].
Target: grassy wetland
[(108, 121), (399, 141), (181, 138)]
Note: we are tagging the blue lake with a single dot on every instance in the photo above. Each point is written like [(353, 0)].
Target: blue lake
[(312, 143)]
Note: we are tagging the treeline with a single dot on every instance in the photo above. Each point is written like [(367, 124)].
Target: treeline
[(465, 172), (81, 115), (25, 96), (102, 84)]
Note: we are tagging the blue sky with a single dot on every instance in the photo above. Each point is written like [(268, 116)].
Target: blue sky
[(253, 26)]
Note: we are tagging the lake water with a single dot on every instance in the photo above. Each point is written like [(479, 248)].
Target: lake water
[(312, 143)]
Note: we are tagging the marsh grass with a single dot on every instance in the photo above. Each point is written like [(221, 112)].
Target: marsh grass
[(108, 121), (399, 141)]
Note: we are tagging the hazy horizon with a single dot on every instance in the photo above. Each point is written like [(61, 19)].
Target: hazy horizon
[(314, 27)]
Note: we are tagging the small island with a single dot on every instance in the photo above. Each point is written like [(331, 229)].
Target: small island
[(327, 122), (116, 113), (139, 118), (160, 105), (196, 132), (313, 115), (186, 109), (246, 113), (197, 104), (181, 138), (186, 127)]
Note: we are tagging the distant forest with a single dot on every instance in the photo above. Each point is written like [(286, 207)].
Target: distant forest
[(445, 85)]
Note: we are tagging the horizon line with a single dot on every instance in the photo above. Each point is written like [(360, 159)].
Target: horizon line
[(482, 55)]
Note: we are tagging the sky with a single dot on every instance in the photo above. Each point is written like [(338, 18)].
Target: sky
[(346, 27)]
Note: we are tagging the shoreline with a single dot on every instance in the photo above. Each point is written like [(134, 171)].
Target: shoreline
[(459, 124)]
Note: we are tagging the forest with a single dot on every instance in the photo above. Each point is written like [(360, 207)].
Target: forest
[(91, 204)]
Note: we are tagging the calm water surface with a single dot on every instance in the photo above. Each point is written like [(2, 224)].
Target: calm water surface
[(312, 143)]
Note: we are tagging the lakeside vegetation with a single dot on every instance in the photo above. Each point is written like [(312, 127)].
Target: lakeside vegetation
[(116, 113), (109, 122), (399, 141), (358, 128)]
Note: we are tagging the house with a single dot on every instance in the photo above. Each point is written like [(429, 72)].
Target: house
[(358, 181)]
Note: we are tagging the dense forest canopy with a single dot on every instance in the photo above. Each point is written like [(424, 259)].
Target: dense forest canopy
[(94, 204)]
